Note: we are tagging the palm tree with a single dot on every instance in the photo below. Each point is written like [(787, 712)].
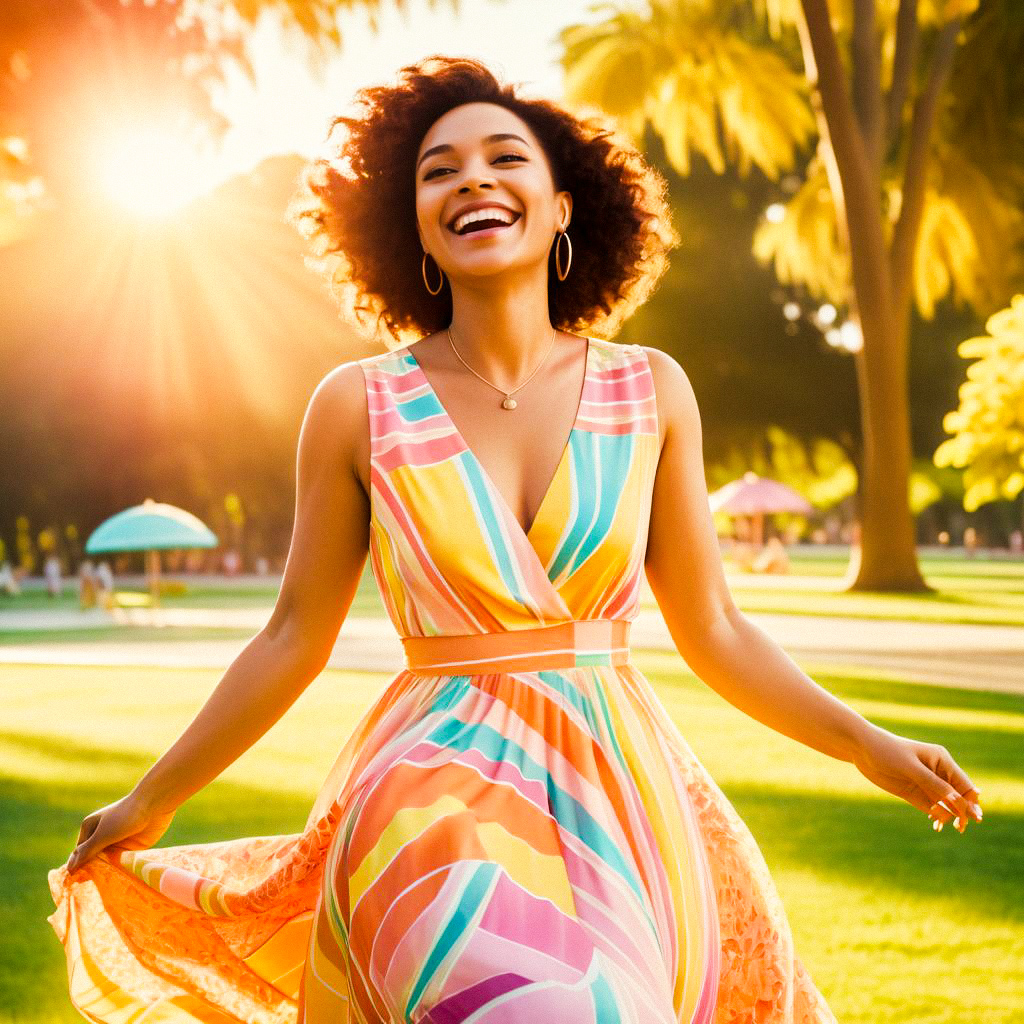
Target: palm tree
[(910, 195)]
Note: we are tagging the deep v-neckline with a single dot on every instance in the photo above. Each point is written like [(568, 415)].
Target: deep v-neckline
[(527, 532)]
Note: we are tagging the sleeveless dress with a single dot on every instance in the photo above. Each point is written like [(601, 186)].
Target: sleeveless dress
[(494, 847)]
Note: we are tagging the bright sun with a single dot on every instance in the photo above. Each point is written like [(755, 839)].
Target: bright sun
[(153, 173)]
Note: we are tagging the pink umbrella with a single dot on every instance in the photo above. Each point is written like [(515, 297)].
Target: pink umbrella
[(757, 496)]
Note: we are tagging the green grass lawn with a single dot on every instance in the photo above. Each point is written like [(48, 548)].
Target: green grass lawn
[(955, 602), (967, 590), (895, 922), (970, 590)]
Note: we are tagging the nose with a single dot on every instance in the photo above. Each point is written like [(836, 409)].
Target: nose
[(477, 175), (474, 181)]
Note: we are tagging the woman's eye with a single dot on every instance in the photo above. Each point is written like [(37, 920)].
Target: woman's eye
[(436, 170)]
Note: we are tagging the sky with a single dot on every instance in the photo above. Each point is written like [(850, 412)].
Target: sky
[(288, 110)]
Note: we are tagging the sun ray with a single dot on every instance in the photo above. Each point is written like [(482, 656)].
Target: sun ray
[(152, 171)]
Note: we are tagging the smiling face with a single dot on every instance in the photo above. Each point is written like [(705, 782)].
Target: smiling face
[(483, 155)]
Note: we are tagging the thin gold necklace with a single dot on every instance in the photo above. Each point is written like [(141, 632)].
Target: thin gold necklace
[(509, 402)]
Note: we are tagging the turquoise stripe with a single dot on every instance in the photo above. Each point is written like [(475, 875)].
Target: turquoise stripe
[(420, 408), (583, 469), (482, 500), (556, 681), (482, 881), (615, 454), (606, 1012), (566, 810), (451, 693)]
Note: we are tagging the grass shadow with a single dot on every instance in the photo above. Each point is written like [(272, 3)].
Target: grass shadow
[(890, 845), (39, 826)]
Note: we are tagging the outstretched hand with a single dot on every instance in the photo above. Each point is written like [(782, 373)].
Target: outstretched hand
[(923, 774), (125, 824)]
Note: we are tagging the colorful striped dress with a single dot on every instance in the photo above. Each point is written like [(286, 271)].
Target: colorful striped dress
[(515, 831)]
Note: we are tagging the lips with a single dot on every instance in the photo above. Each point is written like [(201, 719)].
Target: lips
[(478, 232), (484, 205)]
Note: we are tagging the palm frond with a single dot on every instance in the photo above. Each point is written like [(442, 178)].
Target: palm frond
[(970, 240), (702, 86), (804, 246)]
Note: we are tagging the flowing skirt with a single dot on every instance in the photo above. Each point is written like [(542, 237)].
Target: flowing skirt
[(493, 848)]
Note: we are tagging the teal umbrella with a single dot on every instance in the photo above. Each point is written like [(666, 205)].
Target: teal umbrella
[(153, 526)]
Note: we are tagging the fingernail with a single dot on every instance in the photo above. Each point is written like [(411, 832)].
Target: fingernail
[(977, 811)]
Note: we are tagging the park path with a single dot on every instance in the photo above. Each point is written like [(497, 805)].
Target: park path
[(980, 657)]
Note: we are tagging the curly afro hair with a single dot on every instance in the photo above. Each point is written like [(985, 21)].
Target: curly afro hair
[(358, 209)]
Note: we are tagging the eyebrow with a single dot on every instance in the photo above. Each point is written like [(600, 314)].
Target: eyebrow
[(445, 148)]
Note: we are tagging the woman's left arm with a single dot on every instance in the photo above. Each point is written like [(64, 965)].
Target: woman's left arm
[(737, 658)]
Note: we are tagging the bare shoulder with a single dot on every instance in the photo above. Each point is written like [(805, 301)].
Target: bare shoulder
[(677, 403), (337, 419)]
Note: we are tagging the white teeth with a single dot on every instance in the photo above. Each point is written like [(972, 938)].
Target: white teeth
[(487, 213)]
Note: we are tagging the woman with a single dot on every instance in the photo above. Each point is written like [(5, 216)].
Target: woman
[(515, 831)]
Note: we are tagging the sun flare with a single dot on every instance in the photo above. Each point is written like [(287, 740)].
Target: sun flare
[(153, 173)]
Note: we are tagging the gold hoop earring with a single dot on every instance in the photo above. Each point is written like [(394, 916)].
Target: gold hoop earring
[(562, 274), (423, 270)]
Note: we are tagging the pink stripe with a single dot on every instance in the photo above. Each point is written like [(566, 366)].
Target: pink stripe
[(409, 379), (617, 389), (521, 917), (617, 929), (419, 453), (390, 421)]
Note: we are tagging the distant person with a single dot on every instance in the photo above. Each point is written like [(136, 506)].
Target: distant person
[(970, 541), (772, 558), (742, 554), (231, 562), (8, 581), (104, 585), (87, 585), (52, 575)]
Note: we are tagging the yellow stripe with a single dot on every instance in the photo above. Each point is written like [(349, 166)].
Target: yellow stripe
[(407, 822), (544, 875)]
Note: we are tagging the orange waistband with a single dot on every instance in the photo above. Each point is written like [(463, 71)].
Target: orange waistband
[(564, 645)]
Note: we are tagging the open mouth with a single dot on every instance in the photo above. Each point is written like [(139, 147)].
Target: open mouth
[(486, 225)]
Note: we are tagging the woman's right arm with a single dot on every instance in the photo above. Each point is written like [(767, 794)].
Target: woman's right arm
[(325, 562)]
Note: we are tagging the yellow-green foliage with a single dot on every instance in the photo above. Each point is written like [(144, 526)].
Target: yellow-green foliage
[(804, 246), (701, 85), (693, 72), (989, 424)]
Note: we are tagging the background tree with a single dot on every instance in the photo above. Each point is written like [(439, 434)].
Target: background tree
[(988, 427), (911, 195)]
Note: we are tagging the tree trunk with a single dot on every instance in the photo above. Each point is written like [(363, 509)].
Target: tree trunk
[(885, 555)]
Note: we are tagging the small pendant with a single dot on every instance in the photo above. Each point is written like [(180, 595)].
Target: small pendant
[(509, 403)]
